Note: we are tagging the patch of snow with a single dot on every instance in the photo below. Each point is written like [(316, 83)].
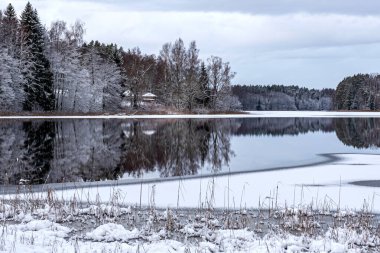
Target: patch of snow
[(45, 227), (42, 236), (112, 232)]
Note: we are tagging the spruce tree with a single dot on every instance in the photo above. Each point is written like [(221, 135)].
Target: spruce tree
[(10, 29), (204, 85), (2, 30), (36, 67)]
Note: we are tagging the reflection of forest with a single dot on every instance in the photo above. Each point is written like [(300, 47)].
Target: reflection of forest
[(283, 126), (90, 150), (358, 132), (176, 148)]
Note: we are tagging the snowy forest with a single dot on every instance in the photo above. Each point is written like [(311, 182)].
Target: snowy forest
[(281, 98), (54, 69), (359, 92)]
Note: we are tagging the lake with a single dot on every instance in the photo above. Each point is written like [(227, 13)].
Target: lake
[(75, 150), (101, 152)]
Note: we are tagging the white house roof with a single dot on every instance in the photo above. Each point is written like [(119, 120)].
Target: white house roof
[(149, 132), (149, 95)]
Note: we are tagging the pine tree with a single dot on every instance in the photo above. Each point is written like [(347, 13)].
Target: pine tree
[(191, 89), (36, 67), (204, 97), (2, 29), (11, 79), (10, 26)]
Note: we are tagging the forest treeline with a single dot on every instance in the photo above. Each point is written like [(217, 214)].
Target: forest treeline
[(283, 98), (53, 69), (358, 92)]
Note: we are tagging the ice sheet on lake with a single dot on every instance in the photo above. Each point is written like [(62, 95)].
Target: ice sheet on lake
[(327, 185)]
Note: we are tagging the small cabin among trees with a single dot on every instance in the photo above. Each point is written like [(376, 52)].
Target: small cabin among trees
[(149, 97), (131, 99)]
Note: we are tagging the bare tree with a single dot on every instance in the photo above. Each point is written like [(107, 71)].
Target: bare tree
[(137, 69), (178, 64), (192, 87), (220, 76)]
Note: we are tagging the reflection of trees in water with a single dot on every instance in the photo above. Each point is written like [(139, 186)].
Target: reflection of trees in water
[(26, 151), (74, 150), (39, 150), (136, 150), (86, 150), (59, 151), (12, 137), (358, 132), (177, 148), (283, 126)]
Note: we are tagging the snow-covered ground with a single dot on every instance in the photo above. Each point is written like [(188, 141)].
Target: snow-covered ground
[(247, 114), (46, 236)]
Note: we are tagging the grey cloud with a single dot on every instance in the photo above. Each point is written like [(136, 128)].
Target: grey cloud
[(313, 43), (352, 7)]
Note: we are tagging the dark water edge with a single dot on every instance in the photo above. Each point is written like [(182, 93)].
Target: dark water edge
[(369, 183), (11, 189)]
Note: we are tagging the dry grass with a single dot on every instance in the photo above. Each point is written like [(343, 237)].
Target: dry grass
[(192, 226), (269, 217)]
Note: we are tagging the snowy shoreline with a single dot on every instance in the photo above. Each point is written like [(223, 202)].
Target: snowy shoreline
[(243, 114)]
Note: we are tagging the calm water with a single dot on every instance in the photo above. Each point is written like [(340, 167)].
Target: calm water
[(73, 150)]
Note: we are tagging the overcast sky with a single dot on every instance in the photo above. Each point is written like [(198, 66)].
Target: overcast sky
[(311, 43)]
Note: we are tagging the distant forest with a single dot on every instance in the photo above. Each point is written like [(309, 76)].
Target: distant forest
[(53, 69), (358, 92), (283, 98)]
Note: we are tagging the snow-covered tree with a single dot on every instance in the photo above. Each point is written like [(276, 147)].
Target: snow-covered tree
[(192, 87), (11, 79), (9, 31), (35, 65), (11, 82), (220, 76), (104, 79), (70, 77), (178, 72)]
